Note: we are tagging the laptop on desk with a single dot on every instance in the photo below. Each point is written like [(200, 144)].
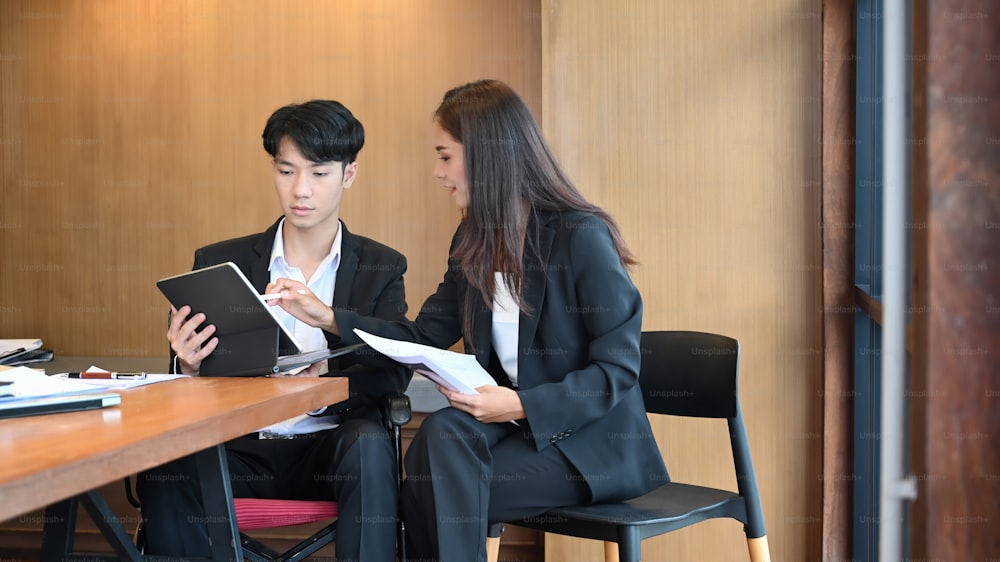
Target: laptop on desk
[(252, 341)]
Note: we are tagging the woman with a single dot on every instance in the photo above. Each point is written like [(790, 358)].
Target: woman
[(538, 290)]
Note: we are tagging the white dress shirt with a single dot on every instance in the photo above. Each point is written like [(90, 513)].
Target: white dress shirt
[(321, 284)]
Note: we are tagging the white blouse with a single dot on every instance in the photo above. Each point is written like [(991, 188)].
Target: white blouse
[(506, 317)]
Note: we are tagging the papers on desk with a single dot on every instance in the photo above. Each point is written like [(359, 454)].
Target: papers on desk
[(116, 384), (22, 382), (25, 392), (456, 371), (15, 351), (11, 346)]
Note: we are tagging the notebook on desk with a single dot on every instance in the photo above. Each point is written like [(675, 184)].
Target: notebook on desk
[(57, 404), (26, 392), (252, 341)]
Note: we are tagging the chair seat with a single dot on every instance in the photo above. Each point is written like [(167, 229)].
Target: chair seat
[(671, 506), (256, 513)]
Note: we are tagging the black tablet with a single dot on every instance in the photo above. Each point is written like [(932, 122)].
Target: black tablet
[(252, 341)]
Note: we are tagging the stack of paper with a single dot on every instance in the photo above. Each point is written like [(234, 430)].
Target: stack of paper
[(113, 383), (19, 352), (25, 392), (456, 371)]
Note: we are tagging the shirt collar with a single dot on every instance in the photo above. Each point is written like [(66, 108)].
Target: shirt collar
[(278, 248)]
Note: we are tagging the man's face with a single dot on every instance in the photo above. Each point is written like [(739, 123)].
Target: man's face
[(309, 192)]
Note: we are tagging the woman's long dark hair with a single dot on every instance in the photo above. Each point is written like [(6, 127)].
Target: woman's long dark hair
[(512, 174)]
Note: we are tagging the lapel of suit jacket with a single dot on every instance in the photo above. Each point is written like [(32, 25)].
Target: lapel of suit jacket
[(482, 326), (349, 249), (535, 277), (259, 274)]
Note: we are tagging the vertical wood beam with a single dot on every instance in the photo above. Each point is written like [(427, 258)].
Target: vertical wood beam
[(839, 62), (958, 462)]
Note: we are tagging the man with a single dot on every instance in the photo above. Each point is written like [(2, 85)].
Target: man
[(342, 452)]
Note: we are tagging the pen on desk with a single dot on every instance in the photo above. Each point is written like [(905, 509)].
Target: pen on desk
[(97, 375)]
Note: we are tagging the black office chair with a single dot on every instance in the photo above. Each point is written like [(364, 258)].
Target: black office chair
[(254, 514), (689, 374)]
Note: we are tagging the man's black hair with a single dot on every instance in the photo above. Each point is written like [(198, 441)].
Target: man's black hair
[(323, 130)]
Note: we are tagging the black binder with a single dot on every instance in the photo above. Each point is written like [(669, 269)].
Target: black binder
[(252, 341)]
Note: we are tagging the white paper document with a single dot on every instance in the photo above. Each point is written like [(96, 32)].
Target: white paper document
[(120, 384), (17, 345), (23, 383), (456, 371)]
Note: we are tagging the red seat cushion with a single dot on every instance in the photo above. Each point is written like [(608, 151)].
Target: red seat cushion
[(254, 513)]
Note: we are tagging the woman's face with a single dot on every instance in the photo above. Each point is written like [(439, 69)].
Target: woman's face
[(450, 167)]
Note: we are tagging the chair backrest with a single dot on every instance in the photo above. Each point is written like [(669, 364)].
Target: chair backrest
[(694, 374), (689, 374)]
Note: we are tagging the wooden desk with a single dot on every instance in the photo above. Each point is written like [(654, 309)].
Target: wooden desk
[(59, 456)]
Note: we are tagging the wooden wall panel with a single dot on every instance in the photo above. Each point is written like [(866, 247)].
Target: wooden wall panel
[(698, 125), (130, 135)]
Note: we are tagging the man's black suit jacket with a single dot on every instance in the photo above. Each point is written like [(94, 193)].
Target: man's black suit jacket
[(369, 282)]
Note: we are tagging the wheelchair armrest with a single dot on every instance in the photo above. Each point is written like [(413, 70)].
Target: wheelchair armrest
[(396, 409)]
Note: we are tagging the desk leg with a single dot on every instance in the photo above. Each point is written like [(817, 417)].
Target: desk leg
[(110, 527), (59, 529), (217, 495)]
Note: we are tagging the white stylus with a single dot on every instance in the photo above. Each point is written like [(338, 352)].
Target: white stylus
[(273, 296)]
